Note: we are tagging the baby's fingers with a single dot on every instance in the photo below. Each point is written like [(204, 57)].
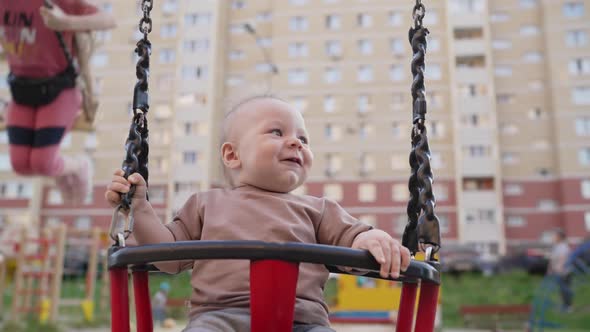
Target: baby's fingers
[(114, 198), (381, 255)]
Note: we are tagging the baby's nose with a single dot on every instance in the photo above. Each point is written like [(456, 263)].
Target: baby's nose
[(295, 143)]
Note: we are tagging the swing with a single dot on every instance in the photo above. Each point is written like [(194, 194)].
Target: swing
[(274, 266)]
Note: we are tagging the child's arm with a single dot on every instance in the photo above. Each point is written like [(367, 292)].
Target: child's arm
[(148, 229), (55, 18), (84, 52)]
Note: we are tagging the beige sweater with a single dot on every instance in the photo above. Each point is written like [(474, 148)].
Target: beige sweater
[(248, 213)]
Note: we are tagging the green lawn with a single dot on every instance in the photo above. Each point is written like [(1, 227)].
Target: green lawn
[(469, 289)]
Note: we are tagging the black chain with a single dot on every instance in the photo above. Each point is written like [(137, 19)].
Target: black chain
[(136, 146), (422, 228)]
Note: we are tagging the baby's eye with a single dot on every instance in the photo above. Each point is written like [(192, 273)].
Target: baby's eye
[(303, 139), (277, 132)]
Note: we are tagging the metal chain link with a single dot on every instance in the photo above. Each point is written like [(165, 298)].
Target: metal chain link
[(422, 228), (136, 145)]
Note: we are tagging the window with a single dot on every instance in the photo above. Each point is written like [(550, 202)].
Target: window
[(333, 22), (297, 76), (99, 59), (332, 132), (298, 49), (54, 197), (333, 48), (264, 17), (573, 9), (535, 113), (433, 44), (300, 104), (298, 2), (396, 72), (466, 6), (238, 4), (365, 73), (584, 156), (399, 162), (365, 46), (513, 189), (499, 17), (509, 158), (194, 72), (501, 44), (579, 66), (397, 46), (367, 192), (298, 23), (196, 45), (167, 55), (441, 192), (333, 164), (516, 221), (395, 18), (168, 30), (532, 57), (576, 38), (587, 220), (585, 188), (332, 75), (363, 103), (527, 3), (433, 72), (236, 55), (333, 191), (583, 126), (435, 128), (504, 98), (396, 129), (529, 30), (234, 80), (368, 219), (265, 67), (237, 29), (82, 223), (197, 19), (264, 42), (508, 129), (329, 104), (189, 157), (367, 163), (581, 95), (503, 70), (399, 192), (365, 130), (476, 151), (364, 20), (436, 160), (431, 17)]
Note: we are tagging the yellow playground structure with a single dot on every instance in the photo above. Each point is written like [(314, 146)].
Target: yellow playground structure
[(358, 299)]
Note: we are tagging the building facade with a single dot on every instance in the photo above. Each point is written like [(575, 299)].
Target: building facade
[(508, 86)]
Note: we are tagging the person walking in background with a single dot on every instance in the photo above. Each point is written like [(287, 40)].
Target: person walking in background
[(558, 268), (159, 303)]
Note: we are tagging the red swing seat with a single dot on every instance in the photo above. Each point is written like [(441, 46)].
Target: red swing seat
[(274, 270)]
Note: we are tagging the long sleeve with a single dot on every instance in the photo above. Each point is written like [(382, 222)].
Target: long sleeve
[(337, 227)]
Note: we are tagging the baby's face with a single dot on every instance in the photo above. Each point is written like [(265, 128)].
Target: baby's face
[(272, 145)]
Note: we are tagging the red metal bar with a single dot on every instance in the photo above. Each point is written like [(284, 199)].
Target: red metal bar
[(143, 307), (407, 306), (119, 300), (273, 285), (427, 307)]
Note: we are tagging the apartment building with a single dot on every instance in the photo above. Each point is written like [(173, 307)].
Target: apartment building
[(508, 108)]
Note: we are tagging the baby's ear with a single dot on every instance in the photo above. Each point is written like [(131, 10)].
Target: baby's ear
[(229, 155)]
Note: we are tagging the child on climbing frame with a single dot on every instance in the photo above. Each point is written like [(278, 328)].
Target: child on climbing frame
[(266, 154), (43, 88)]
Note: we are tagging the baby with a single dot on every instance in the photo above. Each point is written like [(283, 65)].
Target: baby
[(266, 155)]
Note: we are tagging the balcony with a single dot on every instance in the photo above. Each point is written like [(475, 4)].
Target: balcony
[(477, 104), (478, 166), (469, 47), (472, 75), (479, 199), (467, 19), (480, 136)]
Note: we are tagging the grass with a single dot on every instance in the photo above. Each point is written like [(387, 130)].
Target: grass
[(469, 289)]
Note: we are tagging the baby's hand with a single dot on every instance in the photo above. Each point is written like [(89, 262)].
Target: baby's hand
[(388, 252), (119, 185)]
